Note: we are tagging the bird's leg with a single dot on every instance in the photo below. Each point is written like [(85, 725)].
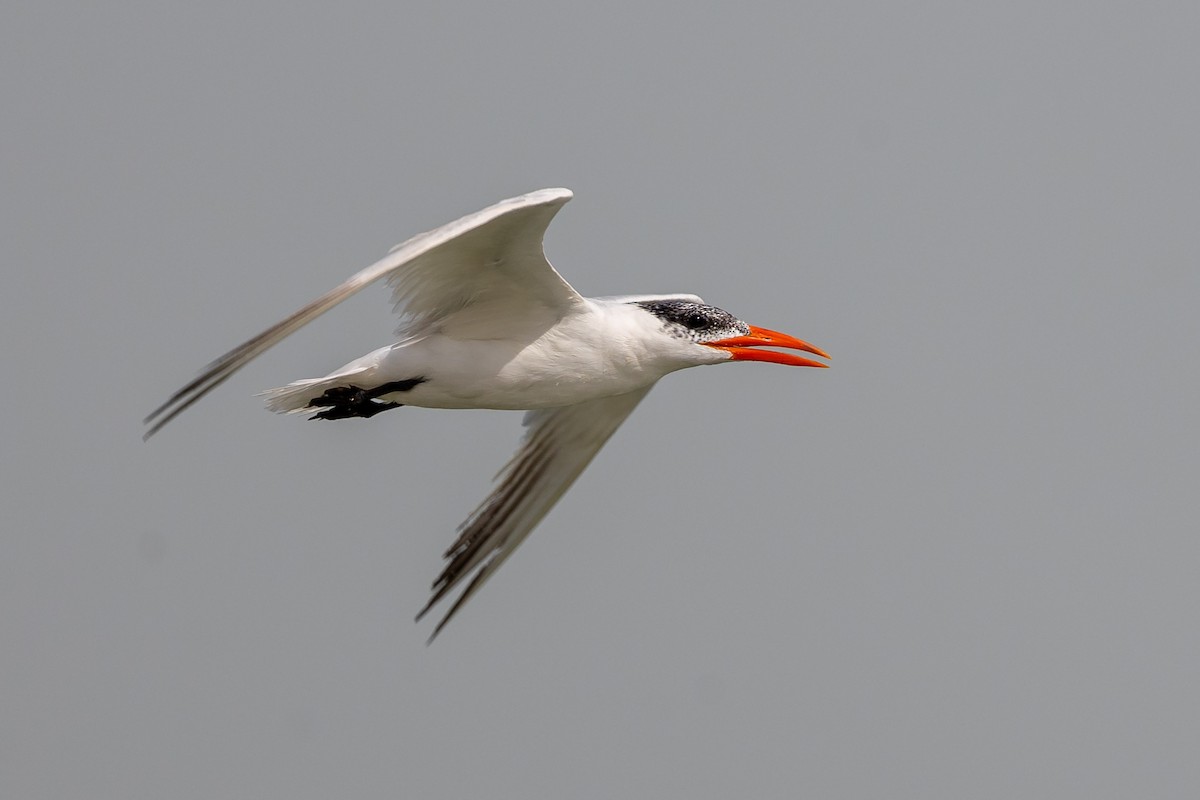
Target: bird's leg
[(344, 402)]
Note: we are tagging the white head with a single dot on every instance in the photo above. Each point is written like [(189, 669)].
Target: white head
[(710, 335)]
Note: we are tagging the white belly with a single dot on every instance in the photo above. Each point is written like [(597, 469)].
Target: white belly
[(611, 349), (508, 375)]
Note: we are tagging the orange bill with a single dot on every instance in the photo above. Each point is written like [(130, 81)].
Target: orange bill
[(742, 348)]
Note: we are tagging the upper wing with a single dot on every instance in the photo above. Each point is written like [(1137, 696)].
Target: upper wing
[(493, 256), (558, 445)]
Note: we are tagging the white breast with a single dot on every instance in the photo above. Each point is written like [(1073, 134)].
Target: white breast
[(607, 349)]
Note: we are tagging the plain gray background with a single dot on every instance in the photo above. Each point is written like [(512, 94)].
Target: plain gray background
[(960, 564)]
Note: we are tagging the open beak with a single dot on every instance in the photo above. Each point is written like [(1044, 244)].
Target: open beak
[(742, 348)]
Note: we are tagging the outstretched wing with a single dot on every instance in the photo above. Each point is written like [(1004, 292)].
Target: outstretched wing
[(492, 258), (558, 445)]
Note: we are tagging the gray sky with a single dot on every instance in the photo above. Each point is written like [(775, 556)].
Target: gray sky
[(962, 563)]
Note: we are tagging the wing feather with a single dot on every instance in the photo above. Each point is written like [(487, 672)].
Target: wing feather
[(492, 256), (559, 444)]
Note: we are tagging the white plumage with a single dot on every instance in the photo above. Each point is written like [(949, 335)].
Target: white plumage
[(488, 323)]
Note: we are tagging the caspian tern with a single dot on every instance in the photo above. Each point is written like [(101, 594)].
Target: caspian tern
[(489, 323)]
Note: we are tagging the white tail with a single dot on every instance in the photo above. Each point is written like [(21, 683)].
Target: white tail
[(296, 396)]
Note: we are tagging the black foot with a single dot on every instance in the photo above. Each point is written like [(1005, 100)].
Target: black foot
[(344, 402)]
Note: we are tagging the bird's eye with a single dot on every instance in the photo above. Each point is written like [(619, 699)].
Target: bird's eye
[(695, 321)]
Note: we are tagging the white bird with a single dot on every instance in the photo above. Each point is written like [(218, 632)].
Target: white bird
[(489, 323)]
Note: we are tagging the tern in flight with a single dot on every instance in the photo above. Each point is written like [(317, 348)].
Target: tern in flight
[(488, 323)]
